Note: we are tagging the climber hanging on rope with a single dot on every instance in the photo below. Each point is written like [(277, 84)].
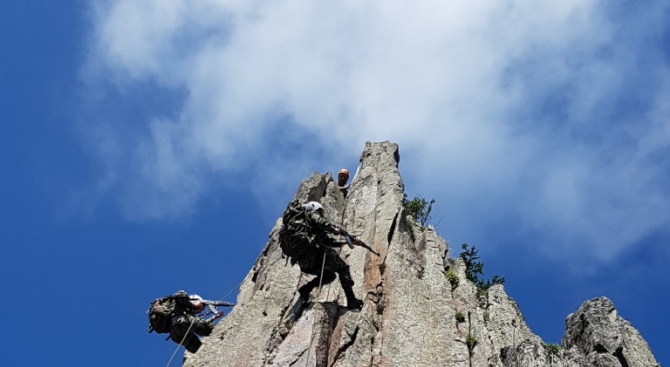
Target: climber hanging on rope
[(304, 239), (176, 315)]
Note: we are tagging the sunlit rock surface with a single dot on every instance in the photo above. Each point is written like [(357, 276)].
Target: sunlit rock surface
[(410, 313)]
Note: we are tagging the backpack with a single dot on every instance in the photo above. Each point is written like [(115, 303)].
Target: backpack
[(160, 314), (294, 236)]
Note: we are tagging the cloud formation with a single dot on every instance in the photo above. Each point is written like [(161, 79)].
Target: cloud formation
[(547, 119)]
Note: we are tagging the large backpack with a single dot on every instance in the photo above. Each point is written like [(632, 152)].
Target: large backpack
[(294, 236), (160, 314)]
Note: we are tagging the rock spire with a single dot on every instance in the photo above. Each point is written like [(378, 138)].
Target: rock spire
[(413, 314)]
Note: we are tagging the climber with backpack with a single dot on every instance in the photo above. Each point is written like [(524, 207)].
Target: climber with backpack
[(176, 314), (304, 238)]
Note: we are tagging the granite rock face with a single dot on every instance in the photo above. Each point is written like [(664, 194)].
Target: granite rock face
[(413, 315), (599, 334)]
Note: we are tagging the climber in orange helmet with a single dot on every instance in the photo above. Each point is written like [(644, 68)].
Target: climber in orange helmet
[(342, 179)]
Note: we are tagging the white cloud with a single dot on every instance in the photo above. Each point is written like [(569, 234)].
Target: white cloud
[(499, 105)]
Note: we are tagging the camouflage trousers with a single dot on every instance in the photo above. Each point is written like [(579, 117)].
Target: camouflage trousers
[(180, 327), (311, 261)]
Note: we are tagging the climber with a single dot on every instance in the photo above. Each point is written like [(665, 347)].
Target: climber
[(176, 314), (342, 178), (304, 238)]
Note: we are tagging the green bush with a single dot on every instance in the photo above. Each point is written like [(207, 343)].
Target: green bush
[(405, 224), (460, 317), (487, 284), (418, 208), (553, 348), (452, 278), (471, 342)]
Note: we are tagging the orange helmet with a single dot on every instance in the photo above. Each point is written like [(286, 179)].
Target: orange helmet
[(344, 171)]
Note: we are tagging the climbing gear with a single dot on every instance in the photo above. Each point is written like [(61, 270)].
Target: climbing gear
[(295, 236), (194, 319), (160, 313), (164, 311)]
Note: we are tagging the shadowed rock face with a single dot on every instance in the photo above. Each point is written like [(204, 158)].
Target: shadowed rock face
[(409, 317)]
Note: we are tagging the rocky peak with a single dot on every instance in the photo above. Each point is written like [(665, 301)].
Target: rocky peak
[(413, 315), (598, 333)]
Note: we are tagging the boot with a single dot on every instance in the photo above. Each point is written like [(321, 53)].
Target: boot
[(304, 291), (192, 343), (353, 303)]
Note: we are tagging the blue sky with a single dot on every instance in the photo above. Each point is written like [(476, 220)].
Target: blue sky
[(150, 146)]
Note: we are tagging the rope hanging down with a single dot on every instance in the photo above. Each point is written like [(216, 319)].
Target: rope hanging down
[(181, 342), (232, 290)]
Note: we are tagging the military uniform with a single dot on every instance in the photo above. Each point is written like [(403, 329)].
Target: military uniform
[(183, 319), (311, 261)]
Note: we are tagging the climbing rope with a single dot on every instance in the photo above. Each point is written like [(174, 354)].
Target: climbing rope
[(232, 290), (311, 337)]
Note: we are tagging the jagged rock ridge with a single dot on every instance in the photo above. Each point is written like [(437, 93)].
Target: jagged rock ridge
[(410, 313)]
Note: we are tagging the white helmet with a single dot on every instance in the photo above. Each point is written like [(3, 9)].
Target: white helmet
[(312, 205)]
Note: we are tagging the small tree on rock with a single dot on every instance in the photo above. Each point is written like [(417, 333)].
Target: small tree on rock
[(474, 268), (418, 208)]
